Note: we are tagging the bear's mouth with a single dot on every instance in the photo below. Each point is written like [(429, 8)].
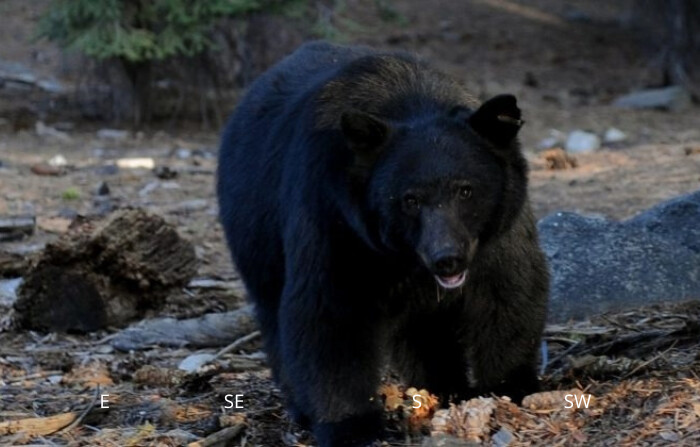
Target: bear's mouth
[(452, 282)]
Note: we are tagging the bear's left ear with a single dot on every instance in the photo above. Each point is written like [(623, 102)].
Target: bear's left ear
[(497, 120)]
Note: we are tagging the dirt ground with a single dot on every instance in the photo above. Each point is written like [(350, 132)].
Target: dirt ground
[(565, 60)]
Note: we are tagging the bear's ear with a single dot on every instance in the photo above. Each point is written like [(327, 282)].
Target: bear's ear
[(364, 133), (497, 120)]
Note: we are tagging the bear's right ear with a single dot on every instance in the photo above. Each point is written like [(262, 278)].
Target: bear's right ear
[(364, 133), (498, 119)]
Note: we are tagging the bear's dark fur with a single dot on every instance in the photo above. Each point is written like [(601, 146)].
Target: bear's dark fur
[(377, 212)]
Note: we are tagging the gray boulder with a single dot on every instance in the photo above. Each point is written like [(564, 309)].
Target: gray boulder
[(601, 265)]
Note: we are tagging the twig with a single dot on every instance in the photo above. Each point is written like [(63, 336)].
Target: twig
[(85, 412), (651, 360), (620, 325), (563, 340), (39, 375), (220, 437), (236, 344)]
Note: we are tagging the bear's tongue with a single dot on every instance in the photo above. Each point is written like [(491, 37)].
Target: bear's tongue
[(452, 282)]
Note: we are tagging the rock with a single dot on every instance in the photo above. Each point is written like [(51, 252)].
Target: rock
[(46, 131), (103, 189), (57, 225), (207, 154), (613, 135), (193, 362), (601, 265), (44, 169), (555, 138), (580, 141), (502, 438), (13, 71), (58, 161), (165, 172), (8, 291), (183, 153), (674, 98), (112, 134)]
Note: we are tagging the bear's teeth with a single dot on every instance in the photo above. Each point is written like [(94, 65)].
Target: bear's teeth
[(452, 282)]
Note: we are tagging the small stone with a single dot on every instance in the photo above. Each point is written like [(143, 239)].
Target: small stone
[(8, 291), (614, 135), (55, 379), (44, 169), (165, 172), (502, 438), (206, 154), (103, 189), (670, 436), (112, 134), (183, 153), (58, 161), (580, 141), (193, 362)]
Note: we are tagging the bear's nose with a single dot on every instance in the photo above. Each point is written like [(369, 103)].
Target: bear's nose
[(449, 264)]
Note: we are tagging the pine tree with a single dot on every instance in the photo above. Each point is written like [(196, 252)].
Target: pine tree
[(138, 33)]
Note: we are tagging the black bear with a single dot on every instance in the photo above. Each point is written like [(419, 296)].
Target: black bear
[(378, 214)]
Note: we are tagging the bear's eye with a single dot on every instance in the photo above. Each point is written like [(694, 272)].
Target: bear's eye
[(465, 192), (410, 201)]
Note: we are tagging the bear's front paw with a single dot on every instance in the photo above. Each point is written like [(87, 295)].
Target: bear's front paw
[(356, 431)]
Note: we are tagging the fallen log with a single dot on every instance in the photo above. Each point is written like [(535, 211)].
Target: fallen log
[(210, 330), (13, 228), (102, 274)]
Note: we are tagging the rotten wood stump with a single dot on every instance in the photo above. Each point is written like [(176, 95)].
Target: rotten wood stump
[(105, 274)]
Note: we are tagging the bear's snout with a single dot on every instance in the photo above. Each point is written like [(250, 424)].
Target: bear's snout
[(450, 268), (448, 263)]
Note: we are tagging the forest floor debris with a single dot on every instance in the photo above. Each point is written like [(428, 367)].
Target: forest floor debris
[(639, 370)]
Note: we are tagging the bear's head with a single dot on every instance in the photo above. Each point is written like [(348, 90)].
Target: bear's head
[(442, 185)]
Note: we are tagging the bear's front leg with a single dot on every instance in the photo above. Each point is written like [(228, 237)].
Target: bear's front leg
[(330, 353), (505, 345)]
